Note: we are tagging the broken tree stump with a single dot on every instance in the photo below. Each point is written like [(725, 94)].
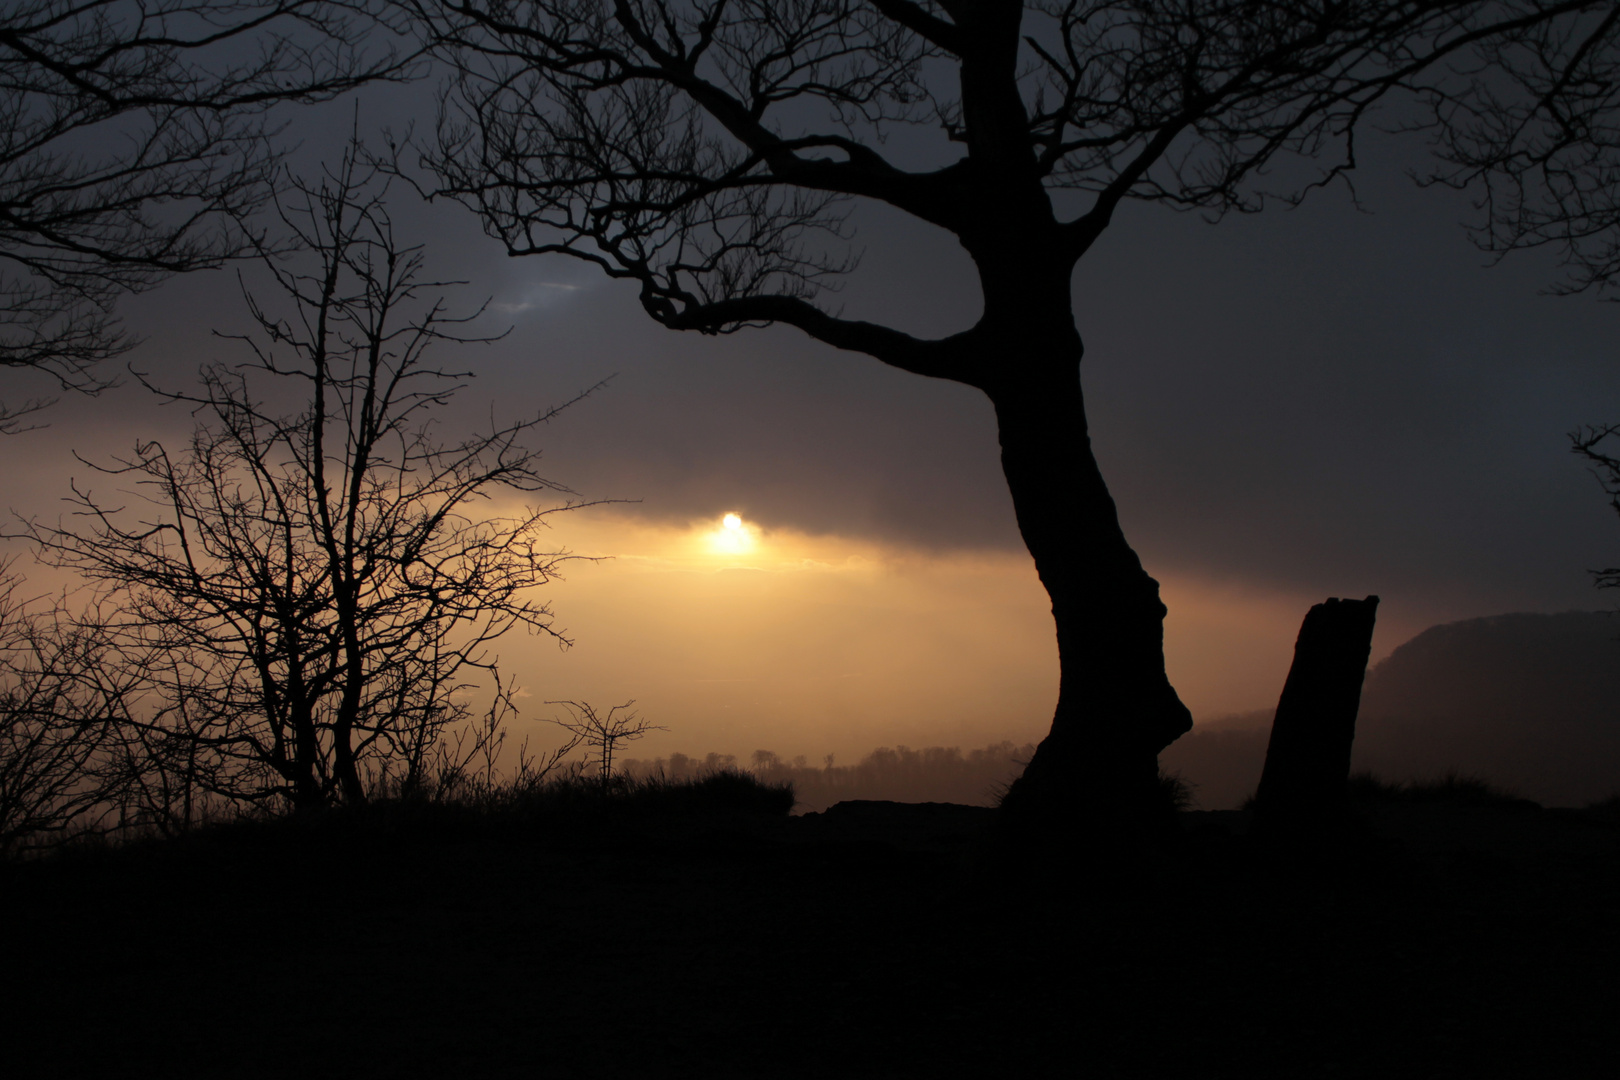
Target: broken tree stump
[(1305, 785)]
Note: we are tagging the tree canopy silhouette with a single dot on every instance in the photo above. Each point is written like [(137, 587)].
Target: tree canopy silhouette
[(316, 578), (133, 140), (1542, 145), (709, 150)]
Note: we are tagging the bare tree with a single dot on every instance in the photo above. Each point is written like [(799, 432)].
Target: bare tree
[(603, 732), (61, 710), (708, 150), (134, 137), (1596, 446), (1536, 131), (309, 595)]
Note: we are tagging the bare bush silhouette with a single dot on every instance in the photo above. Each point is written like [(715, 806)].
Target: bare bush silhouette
[(61, 708), (134, 140), (465, 763), (309, 594), (603, 732)]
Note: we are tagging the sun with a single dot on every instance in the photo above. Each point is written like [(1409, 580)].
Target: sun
[(734, 536)]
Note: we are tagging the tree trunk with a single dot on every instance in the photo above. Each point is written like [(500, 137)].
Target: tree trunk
[(344, 766), (308, 791), (1098, 767), (1305, 782)]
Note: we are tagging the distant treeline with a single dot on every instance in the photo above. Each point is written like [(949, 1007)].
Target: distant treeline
[(931, 774)]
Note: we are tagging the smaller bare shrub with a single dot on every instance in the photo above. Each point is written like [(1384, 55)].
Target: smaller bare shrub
[(603, 732)]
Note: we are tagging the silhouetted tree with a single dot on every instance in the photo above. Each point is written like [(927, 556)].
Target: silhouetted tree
[(1596, 445), (707, 150), (133, 139), (1537, 132), (306, 593), (62, 708), (603, 732), (1541, 138)]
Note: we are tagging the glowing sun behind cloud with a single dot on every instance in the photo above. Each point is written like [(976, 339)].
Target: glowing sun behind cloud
[(734, 537)]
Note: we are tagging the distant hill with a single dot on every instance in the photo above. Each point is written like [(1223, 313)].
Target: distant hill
[(1531, 702)]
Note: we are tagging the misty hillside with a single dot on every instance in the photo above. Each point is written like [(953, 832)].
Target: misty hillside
[(1221, 759), (1531, 702), (1504, 668)]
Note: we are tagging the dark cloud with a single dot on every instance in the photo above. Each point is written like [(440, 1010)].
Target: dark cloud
[(1327, 395), (1320, 399)]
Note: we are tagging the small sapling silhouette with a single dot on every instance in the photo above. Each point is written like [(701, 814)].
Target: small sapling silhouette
[(603, 731)]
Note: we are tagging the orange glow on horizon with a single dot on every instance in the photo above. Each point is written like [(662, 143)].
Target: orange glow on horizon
[(737, 636)]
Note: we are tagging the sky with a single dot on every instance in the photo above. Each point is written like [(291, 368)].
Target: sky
[(1326, 401)]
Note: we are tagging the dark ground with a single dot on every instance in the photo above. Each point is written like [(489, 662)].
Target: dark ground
[(874, 940)]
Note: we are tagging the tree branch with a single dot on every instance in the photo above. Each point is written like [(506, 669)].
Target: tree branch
[(945, 358)]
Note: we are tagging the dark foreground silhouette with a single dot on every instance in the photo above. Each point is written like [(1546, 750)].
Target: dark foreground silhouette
[(693, 933), (901, 773)]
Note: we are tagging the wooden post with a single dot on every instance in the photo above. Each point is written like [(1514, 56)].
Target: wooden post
[(1305, 783)]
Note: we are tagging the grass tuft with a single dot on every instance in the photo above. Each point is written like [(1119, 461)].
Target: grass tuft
[(1177, 793), (554, 808), (723, 792), (1452, 789)]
